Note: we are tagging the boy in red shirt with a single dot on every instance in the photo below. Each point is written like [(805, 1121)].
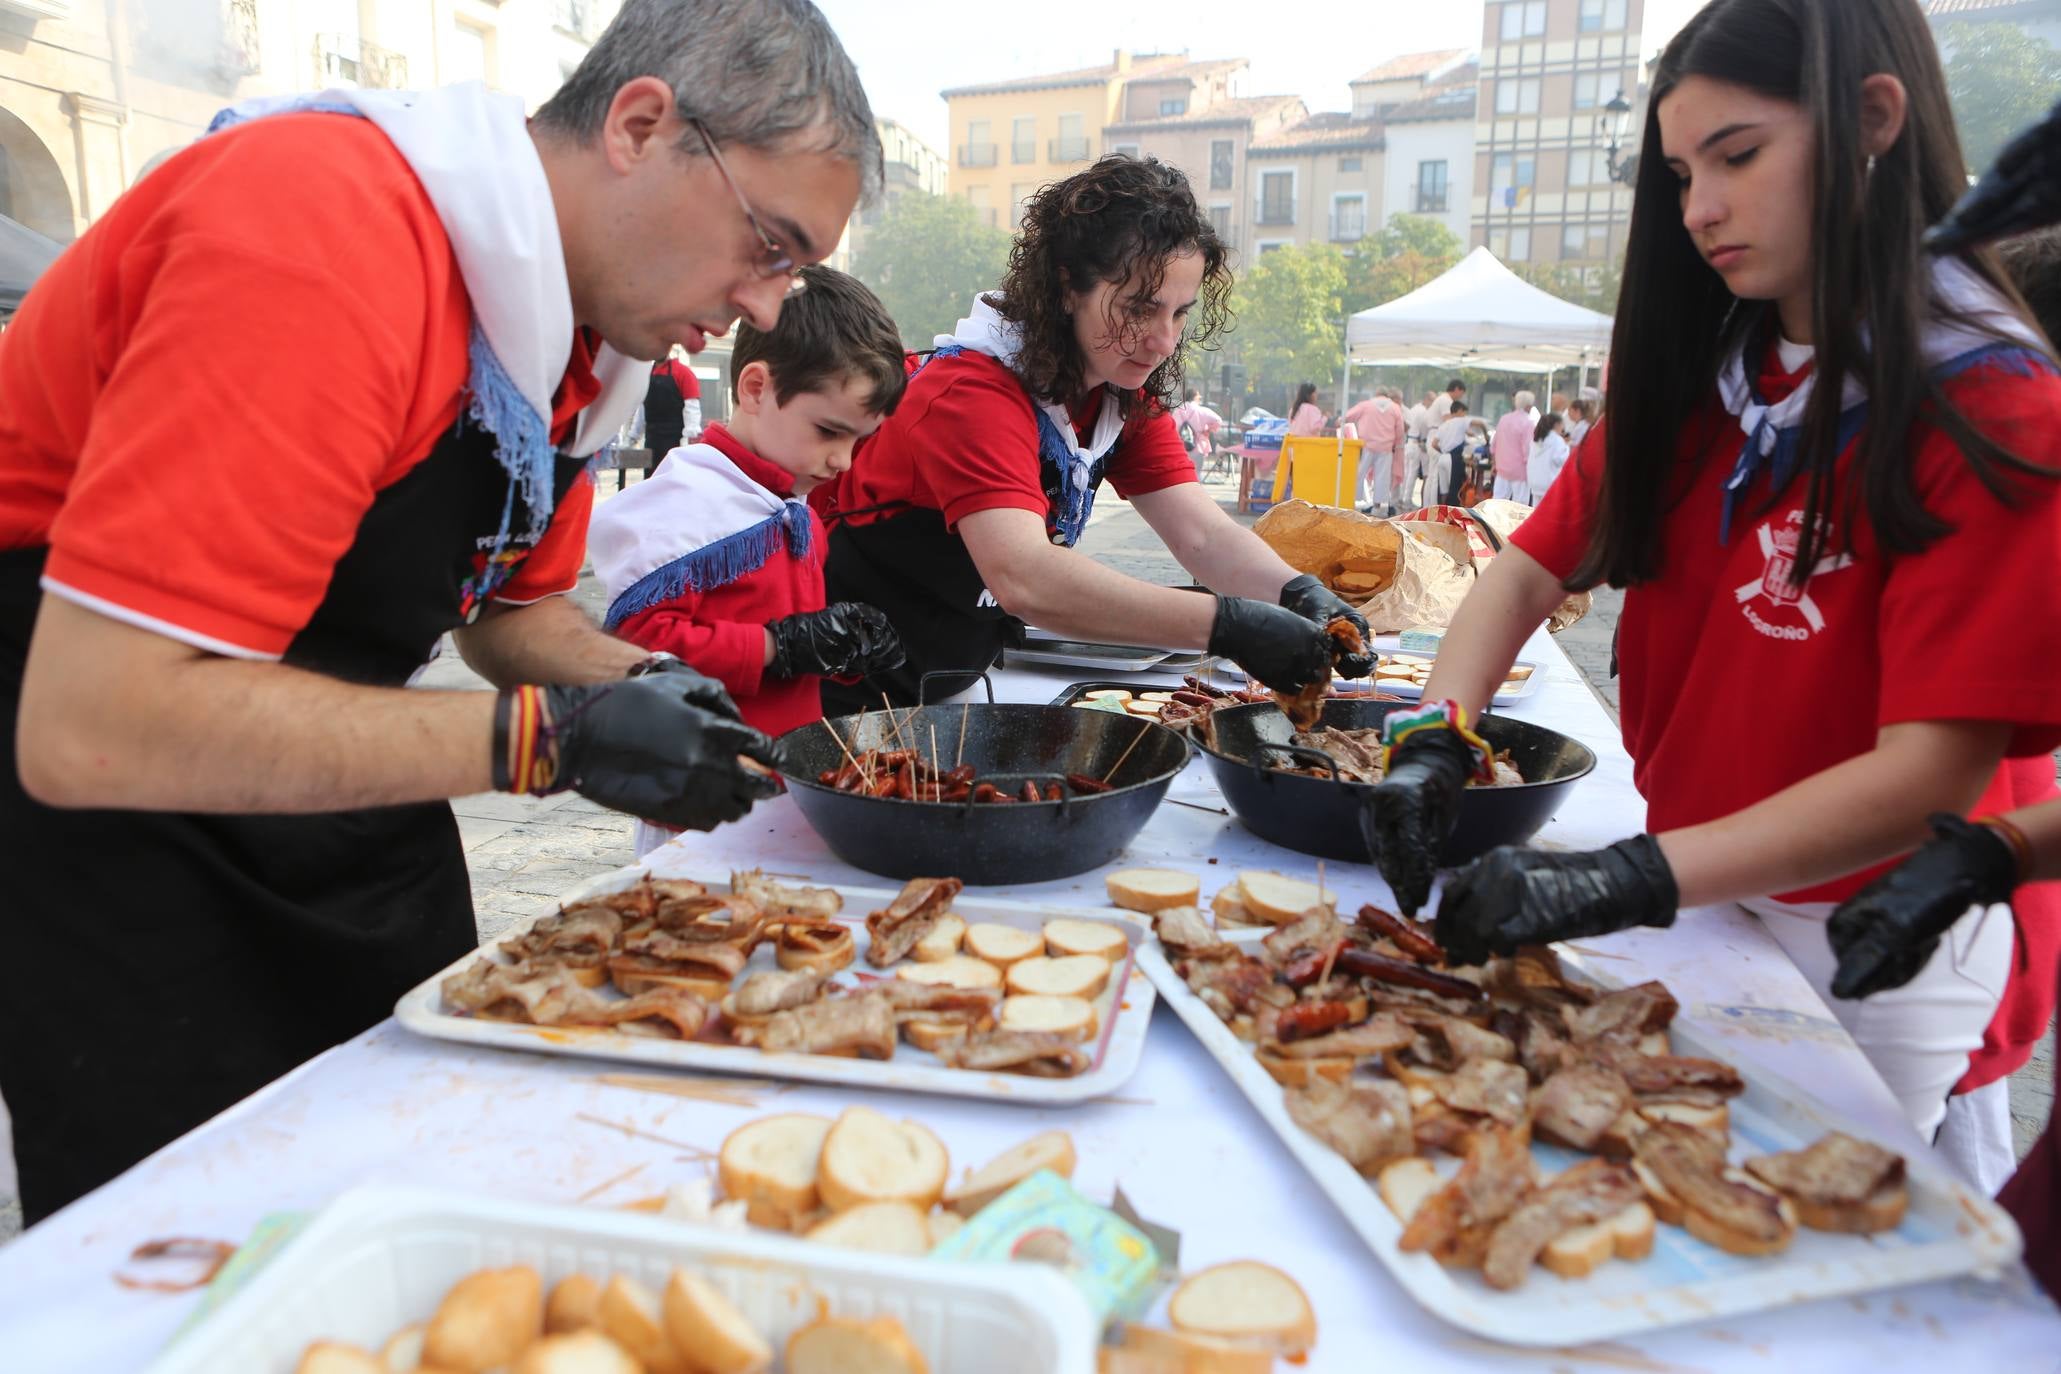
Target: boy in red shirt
[(717, 559)]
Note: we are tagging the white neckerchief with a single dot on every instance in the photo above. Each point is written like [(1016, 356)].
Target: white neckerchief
[(471, 150), (985, 331), (1955, 287)]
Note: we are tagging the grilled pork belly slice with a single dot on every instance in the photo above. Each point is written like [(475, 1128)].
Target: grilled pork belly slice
[(862, 1026), (1041, 1054), (1839, 1183), (1453, 1224), (1315, 929), (1689, 1184), (1485, 1087), (581, 937), (1186, 935), (1576, 1106), (786, 899), (908, 918), (1666, 1074), (1587, 1193), (762, 994), (1446, 1042), (1622, 1017), (1366, 1121), (1378, 1034), (551, 995)]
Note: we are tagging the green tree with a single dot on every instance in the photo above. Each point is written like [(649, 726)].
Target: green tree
[(2000, 79), (1406, 253), (1290, 315), (926, 259), (1594, 286)]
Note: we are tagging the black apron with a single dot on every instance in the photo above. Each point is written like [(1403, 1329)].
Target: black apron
[(164, 965), (665, 414)]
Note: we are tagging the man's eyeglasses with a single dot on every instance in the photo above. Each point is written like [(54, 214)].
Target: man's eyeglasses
[(773, 259)]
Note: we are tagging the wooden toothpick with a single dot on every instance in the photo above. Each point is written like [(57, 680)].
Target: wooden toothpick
[(1143, 729), (842, 747)]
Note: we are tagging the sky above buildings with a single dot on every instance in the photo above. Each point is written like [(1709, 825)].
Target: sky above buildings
[(1311, 48)]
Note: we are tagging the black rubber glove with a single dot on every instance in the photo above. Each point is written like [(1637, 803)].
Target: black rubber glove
[(638, 745), (1277, 646), (1511, 896), (844, 639), (1413, 809), (1312, 600), (699, 689), (1890, 929)]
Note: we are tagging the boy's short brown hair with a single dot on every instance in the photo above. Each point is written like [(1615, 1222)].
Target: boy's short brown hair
[(834, 328)]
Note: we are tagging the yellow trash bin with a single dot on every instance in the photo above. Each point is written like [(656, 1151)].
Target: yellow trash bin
[(1326, 469)]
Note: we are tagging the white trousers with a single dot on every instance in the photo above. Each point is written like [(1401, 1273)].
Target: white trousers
[(1377, 475), (1918, 1036), (1507, 490), (1413, 468)]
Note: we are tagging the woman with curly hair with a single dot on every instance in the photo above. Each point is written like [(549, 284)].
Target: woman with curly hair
[(959, 516)]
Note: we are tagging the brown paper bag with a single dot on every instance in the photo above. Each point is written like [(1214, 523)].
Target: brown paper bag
[(1398, 575)]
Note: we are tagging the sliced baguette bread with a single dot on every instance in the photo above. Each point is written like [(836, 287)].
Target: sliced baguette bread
[(486, 1319), (886, 1228), (1002, 945), (943, 941), (770, 1166), (1149, 1350), (1052, 1150), (1711, 1230), (633, 1317), (702, 1320), (1076, 975), (1581, 1252), (1065, 936), (1247, 1302), (954, 971), (868, 1157), (1228, 907), (403, 1349), (934, 1035), (1300, 1073), (577, 1352), (1030, 1011), (1405, 1184), (571, 1306), (1717, 1120), (1277, 900), (943, 1225), (1152, 889), (846, 1345), (334, 1357)]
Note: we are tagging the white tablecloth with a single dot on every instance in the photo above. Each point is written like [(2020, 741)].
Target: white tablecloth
[(388, 1107)]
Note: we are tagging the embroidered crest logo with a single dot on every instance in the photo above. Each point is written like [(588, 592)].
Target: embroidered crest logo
[(1778, 547)]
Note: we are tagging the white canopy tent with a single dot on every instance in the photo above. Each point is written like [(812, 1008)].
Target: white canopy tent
[(1478, 314)]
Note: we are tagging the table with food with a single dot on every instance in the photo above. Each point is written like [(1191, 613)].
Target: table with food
[(1178, 1090)]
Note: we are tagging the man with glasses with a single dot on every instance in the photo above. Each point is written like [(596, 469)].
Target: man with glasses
[(215, 580)]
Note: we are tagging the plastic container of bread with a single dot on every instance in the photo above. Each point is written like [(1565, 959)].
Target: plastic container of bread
[(377, 1259), (1123, 1010), (1948, 1231)]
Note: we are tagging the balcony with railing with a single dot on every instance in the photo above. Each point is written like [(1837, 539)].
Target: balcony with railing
[(1349, 224), (1068, 149), (1274, 210), (1431, 200), (1023, 150), (977, 154), (341, 58)]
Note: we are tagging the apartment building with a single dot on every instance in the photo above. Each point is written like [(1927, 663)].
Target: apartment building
[(1011, 137), (1212, 145), (1543, 190), (1426, 103), (910, 167), (92, 95), (1317, 181)]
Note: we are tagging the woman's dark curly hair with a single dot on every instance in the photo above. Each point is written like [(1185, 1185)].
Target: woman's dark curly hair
[(1118, 221)]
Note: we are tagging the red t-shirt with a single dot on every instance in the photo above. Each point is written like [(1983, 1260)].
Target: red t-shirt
[(721, 632), (683, 378), (965, 439), (202, 396), (1735, 688)]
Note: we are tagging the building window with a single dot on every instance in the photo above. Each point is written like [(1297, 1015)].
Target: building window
[(1023, 140), (1431, 188), (1586, 86), (1019, 192), (1277, 198), (1124, 149), (1271, 245), (1220, 164), (1511, 246), (979, 148), (468, 60), (1602, 16), (1177, 105), (1220, 220), (1517, 96), (1348, 164), (977, 197), (1574, 242), (1348, 218), (1072, 143), (1508, 172), (1588, 167), (1527, 19)]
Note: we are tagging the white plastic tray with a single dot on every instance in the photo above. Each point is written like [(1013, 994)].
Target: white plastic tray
[(377, 1259), (1124, 1009), (1948, 1231), (1388, 646)]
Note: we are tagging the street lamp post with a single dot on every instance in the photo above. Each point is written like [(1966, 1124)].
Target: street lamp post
[(1625, 172)]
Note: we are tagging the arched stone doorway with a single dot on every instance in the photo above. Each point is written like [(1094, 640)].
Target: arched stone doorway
[(32, 189)]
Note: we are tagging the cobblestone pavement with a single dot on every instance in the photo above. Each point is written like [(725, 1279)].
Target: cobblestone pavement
[(524, 852)]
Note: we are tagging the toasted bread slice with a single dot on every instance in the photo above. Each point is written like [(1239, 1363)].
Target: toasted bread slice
[(634, 1318), (1277, 900), (943, 1225), (1248, 1302), (1107, 694), (943, 941), (1076, 975), (1578, 1253), (1153, 888), (571, 1307), (1065, 936), (846, 1345), (486, 1319), (886, 1228), (1708, 1229), (402, 1352), (578, 1352), (1405, 1184), (1655, 1043), (934, 1035), (1229, 909), (770, 1165), (1300, 1073), (1002, 945), (709, 986), (1030, 1011), (1882, 1210), (956, 971), (1616, 1141), (1149, 1350), (699, 1318), (334, 1357), (868, 1157), (1052, 1150)]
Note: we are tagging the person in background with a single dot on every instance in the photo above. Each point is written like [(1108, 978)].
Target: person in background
[(1196, 423), (1558, 403), (1416, 452), (1305, 417), (1577, 423), (1443, 403), (1548, 455), (716, 557), (1448, 468), (1381, 427), (672, 405), (1592, 405), (1809, 478), (1511, 449)]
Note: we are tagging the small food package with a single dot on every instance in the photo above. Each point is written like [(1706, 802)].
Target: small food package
[(1043, 1220)]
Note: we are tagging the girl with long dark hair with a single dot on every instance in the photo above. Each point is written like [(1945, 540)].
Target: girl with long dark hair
[(1306, 416), (1830, 492), (958, 517)]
